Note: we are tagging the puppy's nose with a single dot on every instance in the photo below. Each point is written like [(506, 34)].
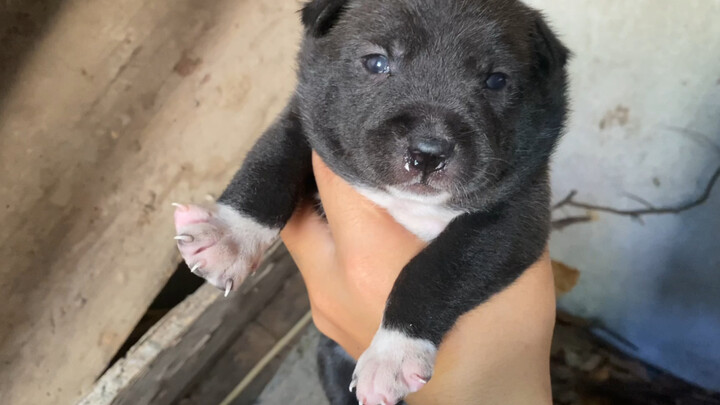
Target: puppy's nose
[(430, 155)]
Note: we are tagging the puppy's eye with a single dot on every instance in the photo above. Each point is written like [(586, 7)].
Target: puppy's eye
[(377, 64), (496, 81)]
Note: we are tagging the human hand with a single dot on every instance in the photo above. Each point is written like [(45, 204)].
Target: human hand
[(498, 352)]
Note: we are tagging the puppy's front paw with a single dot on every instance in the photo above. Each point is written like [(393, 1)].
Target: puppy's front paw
[(394, 366), (220, 244)]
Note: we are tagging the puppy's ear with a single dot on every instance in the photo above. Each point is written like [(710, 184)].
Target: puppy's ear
[(318, 16), (552, 55)]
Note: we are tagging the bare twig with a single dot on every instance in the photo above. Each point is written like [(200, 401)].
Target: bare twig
[(569, 201), (640, 200), (565, 200), (560, 224)]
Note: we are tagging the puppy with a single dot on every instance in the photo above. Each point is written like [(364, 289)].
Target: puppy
[(443, 112)]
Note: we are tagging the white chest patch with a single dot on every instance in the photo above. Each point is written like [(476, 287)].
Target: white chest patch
[(425, 216)]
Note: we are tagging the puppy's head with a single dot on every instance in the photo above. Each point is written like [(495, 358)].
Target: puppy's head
[(464, 98)]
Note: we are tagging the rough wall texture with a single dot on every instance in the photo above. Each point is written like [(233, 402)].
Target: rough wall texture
[(645, 131)]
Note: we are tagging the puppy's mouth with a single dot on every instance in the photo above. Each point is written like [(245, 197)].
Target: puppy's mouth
[(420, 188), (425, 184), (427, 178)]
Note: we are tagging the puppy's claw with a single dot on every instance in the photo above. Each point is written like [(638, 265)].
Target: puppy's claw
[(353, 384), (228, 287), (195, 269), (419, 379), (184, 238), (179, 206)]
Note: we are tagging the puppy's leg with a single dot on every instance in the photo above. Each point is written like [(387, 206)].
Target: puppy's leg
[(224, 243), (335, 368), (477, 256)]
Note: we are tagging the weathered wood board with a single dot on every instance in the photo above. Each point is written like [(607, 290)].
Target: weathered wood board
[(192, 340), (257, 339), (119, 109)]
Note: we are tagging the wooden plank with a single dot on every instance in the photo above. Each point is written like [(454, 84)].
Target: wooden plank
[(122, 108), (252, 385), (231, 367), (189, 340), (297, 380), (283, 313), (274, 322)]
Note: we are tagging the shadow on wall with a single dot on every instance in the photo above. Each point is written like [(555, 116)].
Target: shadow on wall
[(688, 292), (644, 135), (652, 271), (22, 24)]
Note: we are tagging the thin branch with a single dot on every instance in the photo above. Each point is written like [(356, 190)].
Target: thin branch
[(599, 326), (564, 201), (569, 201), (640, 200), (560, 224), (594, 325)]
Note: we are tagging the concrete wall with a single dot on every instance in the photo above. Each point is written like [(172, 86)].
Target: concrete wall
[(645, 127)]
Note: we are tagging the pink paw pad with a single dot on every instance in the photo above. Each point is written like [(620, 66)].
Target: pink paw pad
[(189, 214), (219, 244)]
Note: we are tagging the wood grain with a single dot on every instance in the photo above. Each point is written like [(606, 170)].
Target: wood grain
[(190, 340), (120, 109), (256, 340)]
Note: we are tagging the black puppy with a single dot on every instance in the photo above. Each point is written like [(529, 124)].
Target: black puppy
[(445, 113)]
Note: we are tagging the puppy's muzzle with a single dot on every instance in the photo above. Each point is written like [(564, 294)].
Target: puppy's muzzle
[(429, 155)]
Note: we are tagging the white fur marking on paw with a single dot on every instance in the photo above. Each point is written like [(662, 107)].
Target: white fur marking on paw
[(220, 244), (394, 366)]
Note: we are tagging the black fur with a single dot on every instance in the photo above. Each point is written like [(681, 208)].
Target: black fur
[(320, 15), (275, 173), (479, 254), (335, 367), (514, 130), (441, 53)]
